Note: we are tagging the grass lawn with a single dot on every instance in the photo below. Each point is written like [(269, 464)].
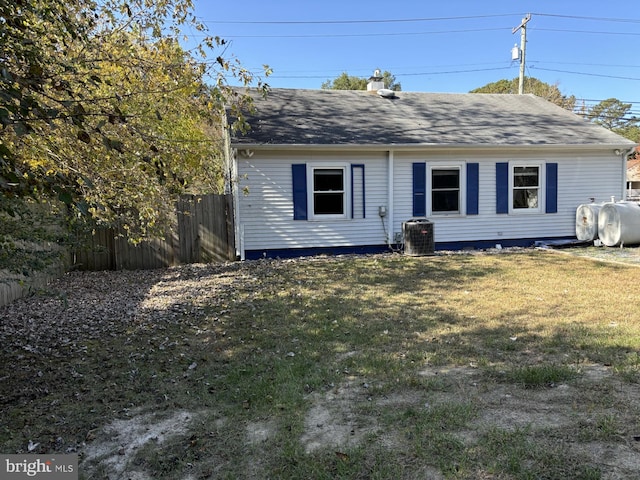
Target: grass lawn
[(519, 365)]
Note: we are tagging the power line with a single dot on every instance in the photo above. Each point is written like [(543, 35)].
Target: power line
[(427, 71), (601, 100), (367, 69), (594, 32), (621, 65), (458, 71), (599, 19), (338, 35), (532, 64), (408, 20), (347, 22), (404, 74), (400, 34), (588, 74)]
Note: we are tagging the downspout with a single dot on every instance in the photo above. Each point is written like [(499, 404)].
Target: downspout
[(231, 172), (625, 156), (390, 198), (239, 226)]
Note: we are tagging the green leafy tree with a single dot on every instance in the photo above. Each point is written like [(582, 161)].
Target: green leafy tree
[(531, 85), (345, 82), (616, 116), (101, 107), (349, 82), (631, 132)]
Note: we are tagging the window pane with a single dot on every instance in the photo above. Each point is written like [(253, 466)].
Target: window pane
[(328, 203), (329, 179), (445, 190), (525, 177), (328, 191), (445, 178), (525, 198), (444, 201)]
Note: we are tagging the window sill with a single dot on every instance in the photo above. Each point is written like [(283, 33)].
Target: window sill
[(525, 211), (446, 215), (329, 218)]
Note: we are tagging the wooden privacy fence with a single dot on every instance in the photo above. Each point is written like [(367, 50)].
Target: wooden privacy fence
[(203, 234), (205, 228)]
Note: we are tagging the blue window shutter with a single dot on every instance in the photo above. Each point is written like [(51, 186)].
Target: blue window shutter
[(358, 200), (419, 189), (299, 176), (552, 188), (473, 188), (502, 187)]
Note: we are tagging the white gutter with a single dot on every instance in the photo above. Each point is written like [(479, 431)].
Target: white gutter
[(431, 146)]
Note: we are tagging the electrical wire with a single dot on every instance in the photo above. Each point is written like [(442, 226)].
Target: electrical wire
[(619, 65), (348, 22), (409, 20), (535, 65), (405, 74), (586, 74), (592, 32), (579, 17), (347, 35)]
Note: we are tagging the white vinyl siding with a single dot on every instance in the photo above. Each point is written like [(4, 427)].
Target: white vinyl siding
[(358, 192), (265, 213), (580, 177)]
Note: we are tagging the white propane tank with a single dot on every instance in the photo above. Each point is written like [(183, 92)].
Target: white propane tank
[(619, 224), (587, 221)]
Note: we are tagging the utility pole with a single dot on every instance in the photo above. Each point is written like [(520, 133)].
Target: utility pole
[(523, 46)]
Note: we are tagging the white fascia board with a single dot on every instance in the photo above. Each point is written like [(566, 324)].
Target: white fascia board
[(437, 147)]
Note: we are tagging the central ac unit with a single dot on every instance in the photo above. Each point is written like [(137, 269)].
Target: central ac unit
[(418, 237)]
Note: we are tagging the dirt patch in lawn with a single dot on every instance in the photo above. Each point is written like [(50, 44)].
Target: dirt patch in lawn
[(112, 448), (342, 418), (332, 422)]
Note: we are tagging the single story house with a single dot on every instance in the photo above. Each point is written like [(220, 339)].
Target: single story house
[(339, 171)]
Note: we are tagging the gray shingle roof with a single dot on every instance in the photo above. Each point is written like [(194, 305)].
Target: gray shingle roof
[(349, 117)]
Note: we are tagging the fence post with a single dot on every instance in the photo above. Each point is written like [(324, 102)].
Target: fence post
[(231, 231)]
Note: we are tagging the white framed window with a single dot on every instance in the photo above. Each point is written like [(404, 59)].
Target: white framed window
[(446, 189), (328, 191), (526, 194)]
